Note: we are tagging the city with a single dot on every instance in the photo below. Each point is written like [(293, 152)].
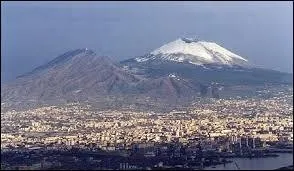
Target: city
[(215, 129)]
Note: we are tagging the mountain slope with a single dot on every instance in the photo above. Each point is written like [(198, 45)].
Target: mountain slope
[(75, 74), (81, 75), (204, 62)]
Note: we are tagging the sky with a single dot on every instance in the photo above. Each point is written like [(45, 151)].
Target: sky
[(33, 33)]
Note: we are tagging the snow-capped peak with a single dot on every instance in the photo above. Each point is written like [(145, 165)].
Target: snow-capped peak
[(172, 75), (196, 52)]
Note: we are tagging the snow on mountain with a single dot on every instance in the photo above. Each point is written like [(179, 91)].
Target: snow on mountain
[(195, 52), (172, 75)]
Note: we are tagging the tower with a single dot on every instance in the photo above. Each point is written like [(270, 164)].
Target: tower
[(256, 115)]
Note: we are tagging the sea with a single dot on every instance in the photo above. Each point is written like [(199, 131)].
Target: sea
[(270, 163)]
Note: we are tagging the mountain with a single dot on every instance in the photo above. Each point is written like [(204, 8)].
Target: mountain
[(174, 74), (194, 52), (82, 75), (204, 62), (73, 75)]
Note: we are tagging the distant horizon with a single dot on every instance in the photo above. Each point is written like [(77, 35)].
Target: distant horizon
[(33, 33)]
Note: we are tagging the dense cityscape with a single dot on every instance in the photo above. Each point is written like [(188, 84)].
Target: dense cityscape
[(207, 133)]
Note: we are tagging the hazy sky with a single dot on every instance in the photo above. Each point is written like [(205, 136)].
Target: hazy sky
[(33, 33)]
